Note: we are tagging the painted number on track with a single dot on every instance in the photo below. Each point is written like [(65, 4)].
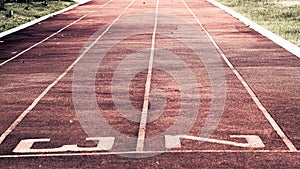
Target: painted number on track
[(106, 143), (253, 141), (25, 146)]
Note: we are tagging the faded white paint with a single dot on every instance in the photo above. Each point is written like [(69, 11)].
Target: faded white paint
[(25, 146), (253, 141)]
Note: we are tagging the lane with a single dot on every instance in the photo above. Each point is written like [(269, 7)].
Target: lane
[(56, 126), (271, 72), (47, 38), (24, 51), (13, 44), (40, 72), (238, 102), (273, 123), (28, 76)]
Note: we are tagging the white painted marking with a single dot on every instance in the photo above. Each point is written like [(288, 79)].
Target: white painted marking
[(23, 26), (36, 101), (143, 121), (80, 2), (253, 141), (25, 146), (273, 123), (294, 49), (172, 141), (143, 152), (47, 38), (26, 50), (101, 6)]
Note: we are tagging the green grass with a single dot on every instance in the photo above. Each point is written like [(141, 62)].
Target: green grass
[(280, 17), (22, 15)]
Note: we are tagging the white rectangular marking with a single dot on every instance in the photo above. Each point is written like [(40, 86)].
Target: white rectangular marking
[(253, 141)]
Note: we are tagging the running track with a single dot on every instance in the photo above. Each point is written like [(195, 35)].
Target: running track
[(147, 66)]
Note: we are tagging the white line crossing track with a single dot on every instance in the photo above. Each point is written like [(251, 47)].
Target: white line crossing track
[(147, 84)]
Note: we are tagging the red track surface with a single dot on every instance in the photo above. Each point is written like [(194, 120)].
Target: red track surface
[(263, 76)]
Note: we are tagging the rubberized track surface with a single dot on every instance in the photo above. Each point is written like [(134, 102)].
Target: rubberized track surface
[(174, 55)]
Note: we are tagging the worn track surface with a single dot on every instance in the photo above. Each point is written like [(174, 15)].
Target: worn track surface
[(160, 83)]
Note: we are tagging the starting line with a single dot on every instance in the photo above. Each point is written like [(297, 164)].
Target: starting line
[(142, 152)]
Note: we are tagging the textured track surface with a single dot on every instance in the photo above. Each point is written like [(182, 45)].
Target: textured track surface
[(153, 69)]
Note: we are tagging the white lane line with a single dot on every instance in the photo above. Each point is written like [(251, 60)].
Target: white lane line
[(36, 101), (23, 26), (47, 38), (26, 50), (143, 121), (143, 152), (273, 123), (101, 6)]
